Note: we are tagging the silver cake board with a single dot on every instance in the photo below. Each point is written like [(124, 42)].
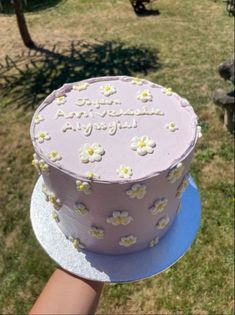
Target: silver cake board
[(123, 268)]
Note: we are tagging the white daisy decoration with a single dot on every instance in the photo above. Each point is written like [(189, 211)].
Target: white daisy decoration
[(40, 165), (144, 96), (96, 232), (175, 173), (162, 223), (91, 153), (56, 202), (43, 166), (119, 218), (38, 118), (182, 187), (127, 241), (55, 217), (60, 99), (137, 191), (154, 242), (85, 187), (167, 91), (91, 175), (108, 90), (171, 126), (80, 86), (46, 192), (81, 208), (124, 171), (199, 131), (137, 81), (35, 163), (76, 243), (142, 145), (42, 136), (54, 156), (158, 206)]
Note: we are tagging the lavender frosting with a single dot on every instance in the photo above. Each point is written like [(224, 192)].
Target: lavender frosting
[(109, 134)]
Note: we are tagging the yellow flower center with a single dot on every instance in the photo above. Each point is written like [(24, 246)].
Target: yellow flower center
[(75, 242), (90, 175), (53, 154), (145, 93), (54, 216), (53, 199), (90, 151), (141, 143), (119, 220), (125, 170), (82, 210), (107, 88), (161, 206), (82, 187), (42, 166)]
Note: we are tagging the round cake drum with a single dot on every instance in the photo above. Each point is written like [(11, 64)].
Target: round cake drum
[(121, 268)]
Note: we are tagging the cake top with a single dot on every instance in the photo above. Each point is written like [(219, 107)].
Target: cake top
[(114, 129)]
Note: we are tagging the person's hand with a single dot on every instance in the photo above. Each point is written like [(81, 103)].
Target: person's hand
[(65, 293)]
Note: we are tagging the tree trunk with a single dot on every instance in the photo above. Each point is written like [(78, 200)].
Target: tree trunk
[(22, 24)]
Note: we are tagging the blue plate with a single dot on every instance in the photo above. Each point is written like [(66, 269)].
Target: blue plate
[(123, 268)]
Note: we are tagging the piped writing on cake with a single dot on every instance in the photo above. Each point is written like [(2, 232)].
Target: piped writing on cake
[(111, 127), (143, 111)]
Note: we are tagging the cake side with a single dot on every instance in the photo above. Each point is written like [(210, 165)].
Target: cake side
[(140, 214)]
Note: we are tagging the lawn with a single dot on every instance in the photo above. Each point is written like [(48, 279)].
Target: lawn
[(181, 48)]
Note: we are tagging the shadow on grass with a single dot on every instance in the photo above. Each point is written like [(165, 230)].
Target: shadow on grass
[(142, 9), (29, 78), (6, 6), (148, 13)]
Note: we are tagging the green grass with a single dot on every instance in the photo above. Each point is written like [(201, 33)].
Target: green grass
[(226, 152), (182, 49)]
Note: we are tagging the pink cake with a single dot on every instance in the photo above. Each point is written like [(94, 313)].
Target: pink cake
[(114, 154)]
